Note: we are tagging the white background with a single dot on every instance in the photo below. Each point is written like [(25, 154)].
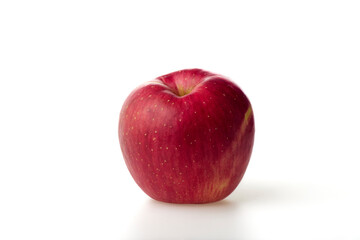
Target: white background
[(67, 66)]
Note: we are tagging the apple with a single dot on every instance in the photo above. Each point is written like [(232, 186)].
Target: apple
[(187, 137)]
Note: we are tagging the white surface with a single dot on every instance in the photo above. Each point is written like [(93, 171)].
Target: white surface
[(67, 66)]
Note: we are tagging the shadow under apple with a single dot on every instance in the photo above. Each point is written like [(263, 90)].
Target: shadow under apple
[(157, 220)]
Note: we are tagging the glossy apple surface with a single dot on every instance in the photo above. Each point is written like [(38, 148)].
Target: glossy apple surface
[(187, 136)]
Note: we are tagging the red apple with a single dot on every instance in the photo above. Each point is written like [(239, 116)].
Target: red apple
[(187, 136)]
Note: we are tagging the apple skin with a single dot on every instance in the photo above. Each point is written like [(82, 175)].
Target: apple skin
[(187, 136)]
